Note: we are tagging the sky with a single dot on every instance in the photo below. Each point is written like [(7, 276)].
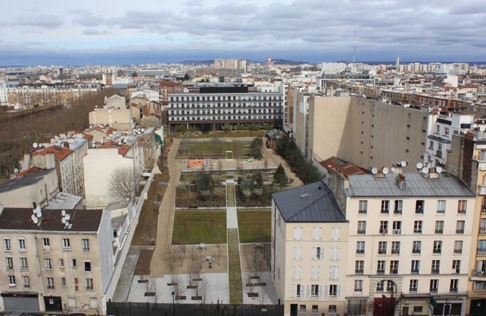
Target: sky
[(149, 31)]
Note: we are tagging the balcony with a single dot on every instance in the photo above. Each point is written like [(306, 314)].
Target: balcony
[(482, 191), (361, 231), (360, 251), (435, 271), (393, 271), (395, 251), (382, 251), (383, 231), (481, 252), (482, 230), (397, 231), (359, 271), (380, 271)]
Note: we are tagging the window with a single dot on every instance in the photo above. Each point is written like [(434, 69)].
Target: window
[(358, 285), (380, 286), (394, 267), (87, 266), (458, 247), (413, 285), (74, 264), (333, 290), (441, 204), (297, 253), (383, 227), (417, 227), (446, 130), (460, 227), (456, 266), (397, 227), (359, 266), (434, 285), (361, 227), (89, 284), (461, 206), (298, 290), (417, 246), (318, 253), (23, 263), (435, 269), (45, 242), (332, 309), (66, 243), (6, 244), (314, 290), (316, 233), (437, 247), (22, 244), (398, 207), (315, 308), (415, 267), (333, 272), (418, 309), (363, 207), (61, 263), (50, 283), (380, 267), (63, 281), (453, 285), (439, 227), (85, 244), (11, 280), (385, 206), (382, 247), (48, 264), (26, 281), (419, 207), (302, 308), (360, 247), (9, 263), (395, 247)]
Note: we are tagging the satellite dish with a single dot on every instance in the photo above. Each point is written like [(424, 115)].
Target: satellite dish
[(35, 220), (425, 170), (63, 220), (385, 170), (63, 212), (35, 145), (374, 170), (438, 169), (34, 211), (16, 170), (67, 217), (419, 165), (403, 163), (39, 213), (393, 169), (69, 226)]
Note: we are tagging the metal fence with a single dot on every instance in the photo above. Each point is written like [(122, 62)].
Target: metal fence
[(149, 309)]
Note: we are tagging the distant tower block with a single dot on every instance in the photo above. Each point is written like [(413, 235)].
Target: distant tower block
[(397, 64), (269, 60)]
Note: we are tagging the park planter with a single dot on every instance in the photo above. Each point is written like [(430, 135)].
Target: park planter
[(149, 294), (196, 298), (142, 281), (192, 286), (171, 283), (180, 297), (251, 294), (197, 279)]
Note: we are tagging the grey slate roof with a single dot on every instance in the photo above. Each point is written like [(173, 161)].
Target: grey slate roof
[(416, 186), (24, 180), (309, 203)]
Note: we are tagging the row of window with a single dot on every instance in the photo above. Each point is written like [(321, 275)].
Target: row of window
[(359, 267), (316, 232), (419, 206), (24, 264), (224, 105), (12, 282), (396, 227), (222, 111), (315, 272), (226, 98), (224, 117), (413, 285), (416, 247), (316, 290), (46, 243), (332, 309)]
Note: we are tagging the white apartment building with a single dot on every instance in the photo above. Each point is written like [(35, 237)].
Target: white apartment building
[(309, 247), (213, 107), (52, 267), (410, 237), (440, 137), (150, 95)]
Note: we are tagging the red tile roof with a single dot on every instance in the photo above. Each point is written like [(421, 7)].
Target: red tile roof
[(59, 152), (343, 167), (30, 170)]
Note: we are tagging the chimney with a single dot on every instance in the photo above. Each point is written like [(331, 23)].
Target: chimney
[(401, 181)]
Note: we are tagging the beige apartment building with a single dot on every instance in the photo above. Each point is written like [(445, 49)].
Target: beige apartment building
[(309, 247), (55, 265), (367, 132), (409, 239)]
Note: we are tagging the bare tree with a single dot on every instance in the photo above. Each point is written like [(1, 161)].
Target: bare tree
[(171, 263), (123, 184)]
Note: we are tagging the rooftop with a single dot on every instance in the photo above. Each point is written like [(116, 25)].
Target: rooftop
[(64, 201), (32, 177), (416, 186), (59, 152), (20, 219), (309, 203)]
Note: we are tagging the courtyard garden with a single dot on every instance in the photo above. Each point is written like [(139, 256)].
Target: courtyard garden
[(195, 227), (254, 225)]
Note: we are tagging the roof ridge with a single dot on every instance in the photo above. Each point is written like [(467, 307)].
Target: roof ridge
[(311, 203)]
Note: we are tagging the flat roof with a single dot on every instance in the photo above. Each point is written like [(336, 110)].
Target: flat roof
[(309, 203), (417, 185), (20, 219), (25, 180)]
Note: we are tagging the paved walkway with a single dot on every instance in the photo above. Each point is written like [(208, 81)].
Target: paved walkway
[(231, 214), (125, 282)]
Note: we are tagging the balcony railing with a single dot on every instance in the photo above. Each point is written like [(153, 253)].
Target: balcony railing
[(435, 271)]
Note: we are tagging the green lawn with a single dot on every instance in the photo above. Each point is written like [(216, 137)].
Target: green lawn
[(254, 226), (194, 227), (235, 282)]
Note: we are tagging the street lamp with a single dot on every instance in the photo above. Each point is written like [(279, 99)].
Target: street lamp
[(173, 303)]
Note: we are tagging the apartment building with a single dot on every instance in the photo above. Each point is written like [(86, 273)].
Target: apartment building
[(53, 262), (409, 239), (309, 246), (212, 107), (467, 160)]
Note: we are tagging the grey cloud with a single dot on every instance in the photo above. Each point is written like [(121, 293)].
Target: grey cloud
[(93, 31), (48, 21)]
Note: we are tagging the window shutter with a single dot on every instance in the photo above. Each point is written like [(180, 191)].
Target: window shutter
[(338, 233), (296, 232), (294, 273), (336, 273), (338, 291), (299, 230), (318, 272), (314, 252), (294, 290), (318, 233), (308, 291), (299, 272), (295, 253), (320, 294), (299, 253), (322, 253), (326, 291), (314, 233)]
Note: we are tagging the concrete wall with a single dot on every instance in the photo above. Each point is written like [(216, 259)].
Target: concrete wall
[(118, 119)]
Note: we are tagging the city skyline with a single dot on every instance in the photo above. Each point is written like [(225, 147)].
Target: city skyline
[(151, 31)]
